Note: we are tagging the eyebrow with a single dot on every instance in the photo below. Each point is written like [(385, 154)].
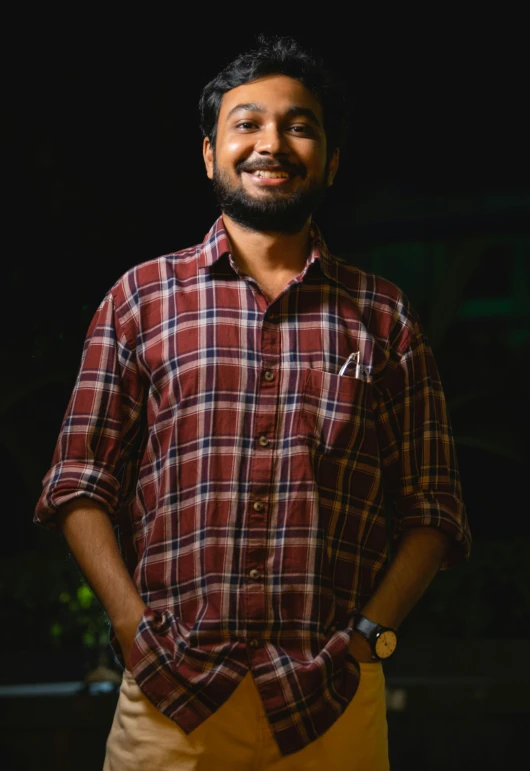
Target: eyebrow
[(293, 111)]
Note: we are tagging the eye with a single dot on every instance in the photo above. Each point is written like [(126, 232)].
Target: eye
[(302, 129), (245, 125)]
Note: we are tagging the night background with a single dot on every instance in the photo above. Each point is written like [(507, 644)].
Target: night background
[(104, 170)]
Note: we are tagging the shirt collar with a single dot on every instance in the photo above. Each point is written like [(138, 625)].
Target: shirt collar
[(216, 244)]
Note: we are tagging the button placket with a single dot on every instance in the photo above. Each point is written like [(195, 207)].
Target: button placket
[(256, 598)]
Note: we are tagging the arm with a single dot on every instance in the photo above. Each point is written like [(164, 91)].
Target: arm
[(103, 430), (419, 555), (89, 534), (94, 467), (418, 457), (421, 479)]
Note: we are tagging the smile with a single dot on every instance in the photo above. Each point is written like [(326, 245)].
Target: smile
[(270, 174)]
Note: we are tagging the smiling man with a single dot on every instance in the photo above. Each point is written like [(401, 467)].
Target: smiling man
[(269, 161), (244, 411)]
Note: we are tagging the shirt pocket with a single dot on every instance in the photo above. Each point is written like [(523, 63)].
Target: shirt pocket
[(332, 412)]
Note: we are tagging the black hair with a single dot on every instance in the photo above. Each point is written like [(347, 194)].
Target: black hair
[(280, 56)]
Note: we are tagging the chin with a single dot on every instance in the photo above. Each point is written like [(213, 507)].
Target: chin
[(268, 210)]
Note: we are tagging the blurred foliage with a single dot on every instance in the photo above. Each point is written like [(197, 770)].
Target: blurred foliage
[(47, 604)]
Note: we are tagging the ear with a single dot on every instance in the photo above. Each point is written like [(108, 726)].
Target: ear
[(207, 154), (333, 166)]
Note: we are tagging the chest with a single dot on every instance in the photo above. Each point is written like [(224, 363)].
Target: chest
[(230, 328)]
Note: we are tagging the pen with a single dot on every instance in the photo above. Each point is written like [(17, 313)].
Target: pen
[(353, 358)]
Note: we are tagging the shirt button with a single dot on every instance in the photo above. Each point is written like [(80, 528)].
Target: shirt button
[(254, 573), (259, 506), (254, 643), (269, 375), (263, 440)]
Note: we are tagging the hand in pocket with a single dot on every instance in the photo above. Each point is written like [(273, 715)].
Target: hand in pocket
[(125, 631)]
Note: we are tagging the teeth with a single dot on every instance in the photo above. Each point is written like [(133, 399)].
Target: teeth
[(271, 174)]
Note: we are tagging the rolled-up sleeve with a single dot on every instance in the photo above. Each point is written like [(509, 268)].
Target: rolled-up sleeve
[(417, 449), (102, 426)]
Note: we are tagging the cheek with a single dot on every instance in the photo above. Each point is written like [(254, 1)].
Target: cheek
[(233, 146), (234, 150), (314, 163)]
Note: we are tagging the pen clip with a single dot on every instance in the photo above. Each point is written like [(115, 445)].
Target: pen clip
[(353, 358), (361, 372)]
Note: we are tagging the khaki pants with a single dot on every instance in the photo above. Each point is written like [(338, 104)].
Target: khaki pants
[(237, 737)]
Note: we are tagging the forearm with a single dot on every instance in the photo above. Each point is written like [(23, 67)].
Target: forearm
[(417, 560), (90, 537)]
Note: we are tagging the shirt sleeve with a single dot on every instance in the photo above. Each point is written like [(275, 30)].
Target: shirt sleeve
[(417, 448), (101, 429)]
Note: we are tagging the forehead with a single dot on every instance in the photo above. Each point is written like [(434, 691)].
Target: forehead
[(274, 94)]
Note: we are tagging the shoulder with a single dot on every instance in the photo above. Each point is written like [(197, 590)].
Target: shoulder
[(150, 277), (138, 295), (384, 308), (148, 281)]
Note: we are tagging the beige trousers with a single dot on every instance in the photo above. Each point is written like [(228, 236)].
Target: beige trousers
[(237, 737)]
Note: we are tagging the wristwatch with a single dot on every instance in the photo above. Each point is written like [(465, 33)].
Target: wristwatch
[(382, 639)]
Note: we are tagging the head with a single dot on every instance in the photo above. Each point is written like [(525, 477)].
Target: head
[(273, 122)]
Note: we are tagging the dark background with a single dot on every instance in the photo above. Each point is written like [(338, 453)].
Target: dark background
[(104, 170)]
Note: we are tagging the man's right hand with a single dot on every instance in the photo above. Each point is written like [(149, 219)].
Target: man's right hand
[(125, 630), (90, 536)]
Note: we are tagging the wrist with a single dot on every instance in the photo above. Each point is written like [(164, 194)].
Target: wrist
[(382, 640), (128, 618), (360, 648)]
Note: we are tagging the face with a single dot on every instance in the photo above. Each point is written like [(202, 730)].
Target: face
[(269, 165)]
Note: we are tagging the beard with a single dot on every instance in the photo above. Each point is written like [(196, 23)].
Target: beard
[(271, 212)]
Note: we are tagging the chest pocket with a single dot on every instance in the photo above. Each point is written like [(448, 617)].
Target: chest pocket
[(333, 412)]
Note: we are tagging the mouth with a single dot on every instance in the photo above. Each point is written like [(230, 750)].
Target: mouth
[(268, 174), (263, 177)]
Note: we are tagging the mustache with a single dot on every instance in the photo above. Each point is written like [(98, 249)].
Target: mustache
[(264, 165)]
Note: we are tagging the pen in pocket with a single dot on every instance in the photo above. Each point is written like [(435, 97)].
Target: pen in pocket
[(353, 358), (361, 371)]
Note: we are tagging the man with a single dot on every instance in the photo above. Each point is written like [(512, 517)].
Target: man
[(243, 410)]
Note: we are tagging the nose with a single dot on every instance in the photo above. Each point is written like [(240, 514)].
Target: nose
[(272, 141)]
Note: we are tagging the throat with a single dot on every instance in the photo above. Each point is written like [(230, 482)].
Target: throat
[(273, 285)]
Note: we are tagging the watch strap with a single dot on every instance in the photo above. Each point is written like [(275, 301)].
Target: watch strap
[(367, 628)]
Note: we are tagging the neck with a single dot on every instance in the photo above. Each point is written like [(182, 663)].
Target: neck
[(268, 254)]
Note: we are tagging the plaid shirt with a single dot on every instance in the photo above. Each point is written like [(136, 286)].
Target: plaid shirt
[(245, 473)]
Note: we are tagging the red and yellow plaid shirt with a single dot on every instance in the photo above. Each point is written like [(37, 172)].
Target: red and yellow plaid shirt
[(246, 474)]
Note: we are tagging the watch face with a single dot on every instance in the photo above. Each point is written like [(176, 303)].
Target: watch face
[(386, 643)]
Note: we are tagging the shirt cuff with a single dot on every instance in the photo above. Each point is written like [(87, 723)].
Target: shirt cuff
[(71, 479), (440, 510)]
